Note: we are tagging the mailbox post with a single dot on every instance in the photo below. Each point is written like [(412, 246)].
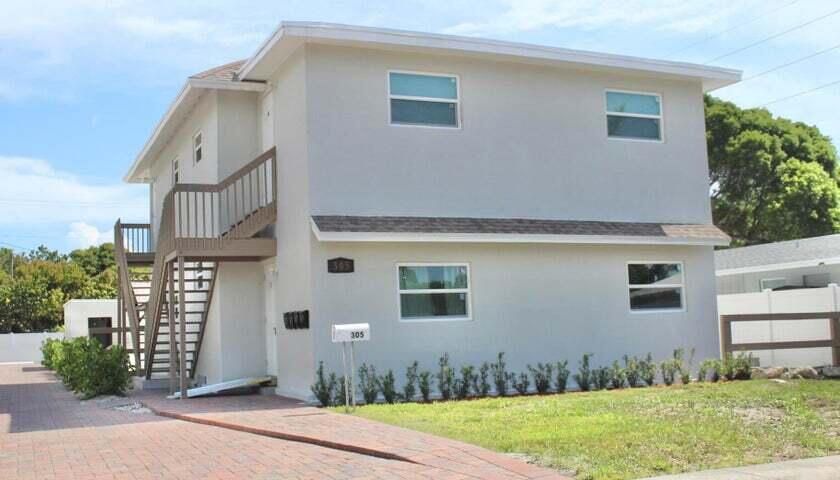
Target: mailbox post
[(344, 334)]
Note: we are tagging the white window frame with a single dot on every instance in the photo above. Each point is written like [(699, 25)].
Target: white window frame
[(467, 290), (761, 281), (456, 101), (196, 148), (660, 117), (681, 286), (176, 171)]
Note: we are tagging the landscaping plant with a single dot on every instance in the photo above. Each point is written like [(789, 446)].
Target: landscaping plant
[(617, 375), (368, 382), (647, 370), (87, 368), (737, 367), (631, 371), (324, 386), (462, 385), (711, 367), (481, 387), (425, 385), (584, 377), (387, 385), (409, 389), (602, 377), (501, 378), (685, 369), (521, 385), (561, 376), (542, 376), (340, 395), (445, 377), (669, 369)]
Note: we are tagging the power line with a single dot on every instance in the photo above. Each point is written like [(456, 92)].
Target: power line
[(826, 85), (776, 35), (802, 59), (16, 246), (710, 37)]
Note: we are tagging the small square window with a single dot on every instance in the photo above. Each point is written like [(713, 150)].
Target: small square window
[(175, 175), (197, 151), (655, 286), (635, 116), (423, 99)]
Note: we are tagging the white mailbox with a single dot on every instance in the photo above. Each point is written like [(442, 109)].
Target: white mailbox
[(351, 332)]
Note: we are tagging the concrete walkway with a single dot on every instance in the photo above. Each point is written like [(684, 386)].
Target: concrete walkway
[(823, 468)]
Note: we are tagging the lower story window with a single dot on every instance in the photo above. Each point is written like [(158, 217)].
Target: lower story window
[(655, 286), (434, 291)]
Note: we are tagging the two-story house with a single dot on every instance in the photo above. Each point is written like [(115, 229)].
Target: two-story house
[(492, 196)]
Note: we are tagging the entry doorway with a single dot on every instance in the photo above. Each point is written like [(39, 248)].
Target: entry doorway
[(270, 322)]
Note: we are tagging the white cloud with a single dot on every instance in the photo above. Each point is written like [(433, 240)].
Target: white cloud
[(33, 194), (83, 235)]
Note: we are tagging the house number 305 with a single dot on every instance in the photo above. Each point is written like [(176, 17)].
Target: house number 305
[(357, 335)]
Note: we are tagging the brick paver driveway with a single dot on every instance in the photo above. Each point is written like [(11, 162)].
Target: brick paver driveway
[(47, 433)]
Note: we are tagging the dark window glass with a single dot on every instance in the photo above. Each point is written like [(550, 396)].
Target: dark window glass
[(655, 298), (424, 305), (633, 127), (416, 112)]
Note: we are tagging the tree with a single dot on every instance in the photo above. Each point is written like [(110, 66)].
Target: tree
[(771, 179)]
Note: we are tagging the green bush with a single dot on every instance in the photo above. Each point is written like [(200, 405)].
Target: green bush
[(87, 368), (409, 389), (602, 377), (501, 378), (585, 377), (647, 370), (737, 367), (711, 368), (340, 393), (561, 376), (445, 377), (387, 385), (542, 376), (521, 385), (617, 375), (324, 386), (481, 385), (425, 385), (631, 371), (670, 368), (462, 385), (368, 382)]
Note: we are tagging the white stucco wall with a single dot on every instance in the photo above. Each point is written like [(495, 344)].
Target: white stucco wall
[(533, 144), (24, 347), (537, 303), (78, 311)]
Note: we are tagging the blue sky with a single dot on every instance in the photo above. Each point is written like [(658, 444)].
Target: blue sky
[(83, 82)]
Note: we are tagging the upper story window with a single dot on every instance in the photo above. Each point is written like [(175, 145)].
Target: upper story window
[(175, 177), (632, 115), (434, 291), (197, 152), (423, 99), (655, 286)]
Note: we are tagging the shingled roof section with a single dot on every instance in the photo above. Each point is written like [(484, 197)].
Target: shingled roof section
[(803, 250), (224, 72), (513, 226)]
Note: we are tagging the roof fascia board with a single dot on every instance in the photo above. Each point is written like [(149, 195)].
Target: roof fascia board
[(778, 266), (508, 238), (713, 77)]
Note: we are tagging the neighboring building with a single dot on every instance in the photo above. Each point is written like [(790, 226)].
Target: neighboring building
[(804, 263), (93, 319), (463, 196)]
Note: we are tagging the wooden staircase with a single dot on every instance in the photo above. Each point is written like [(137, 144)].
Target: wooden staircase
[(165, 292)]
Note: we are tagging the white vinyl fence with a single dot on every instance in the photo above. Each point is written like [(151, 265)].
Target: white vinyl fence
[(786, 301), (23, 347)]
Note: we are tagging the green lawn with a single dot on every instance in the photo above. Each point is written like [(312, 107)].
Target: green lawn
[(634, 433)]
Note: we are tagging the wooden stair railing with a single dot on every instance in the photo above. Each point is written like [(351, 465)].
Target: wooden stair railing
[(205, 217), (129, 239)]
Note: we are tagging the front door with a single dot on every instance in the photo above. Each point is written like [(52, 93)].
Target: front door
[(270, 323)]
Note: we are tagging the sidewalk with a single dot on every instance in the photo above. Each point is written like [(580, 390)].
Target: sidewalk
[(822, 468)]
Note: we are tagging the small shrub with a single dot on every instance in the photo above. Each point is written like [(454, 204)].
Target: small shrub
[(584, 377), (445, 377), (521, 385), (647, 370), (369, 383), (387, 385), (410, 387), (324, 386), (710, 368), (480, 386), (500, 376), (50, 351), (340, 396), (737, 367), (561, 376), (462, 385), (617, 375), (631, 371), (602, 377), (87, 368), (425, 385), (542, 376), (685, 369), (669, 369)]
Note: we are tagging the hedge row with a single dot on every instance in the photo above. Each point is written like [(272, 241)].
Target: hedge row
[(494, 377), (87, 368)]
